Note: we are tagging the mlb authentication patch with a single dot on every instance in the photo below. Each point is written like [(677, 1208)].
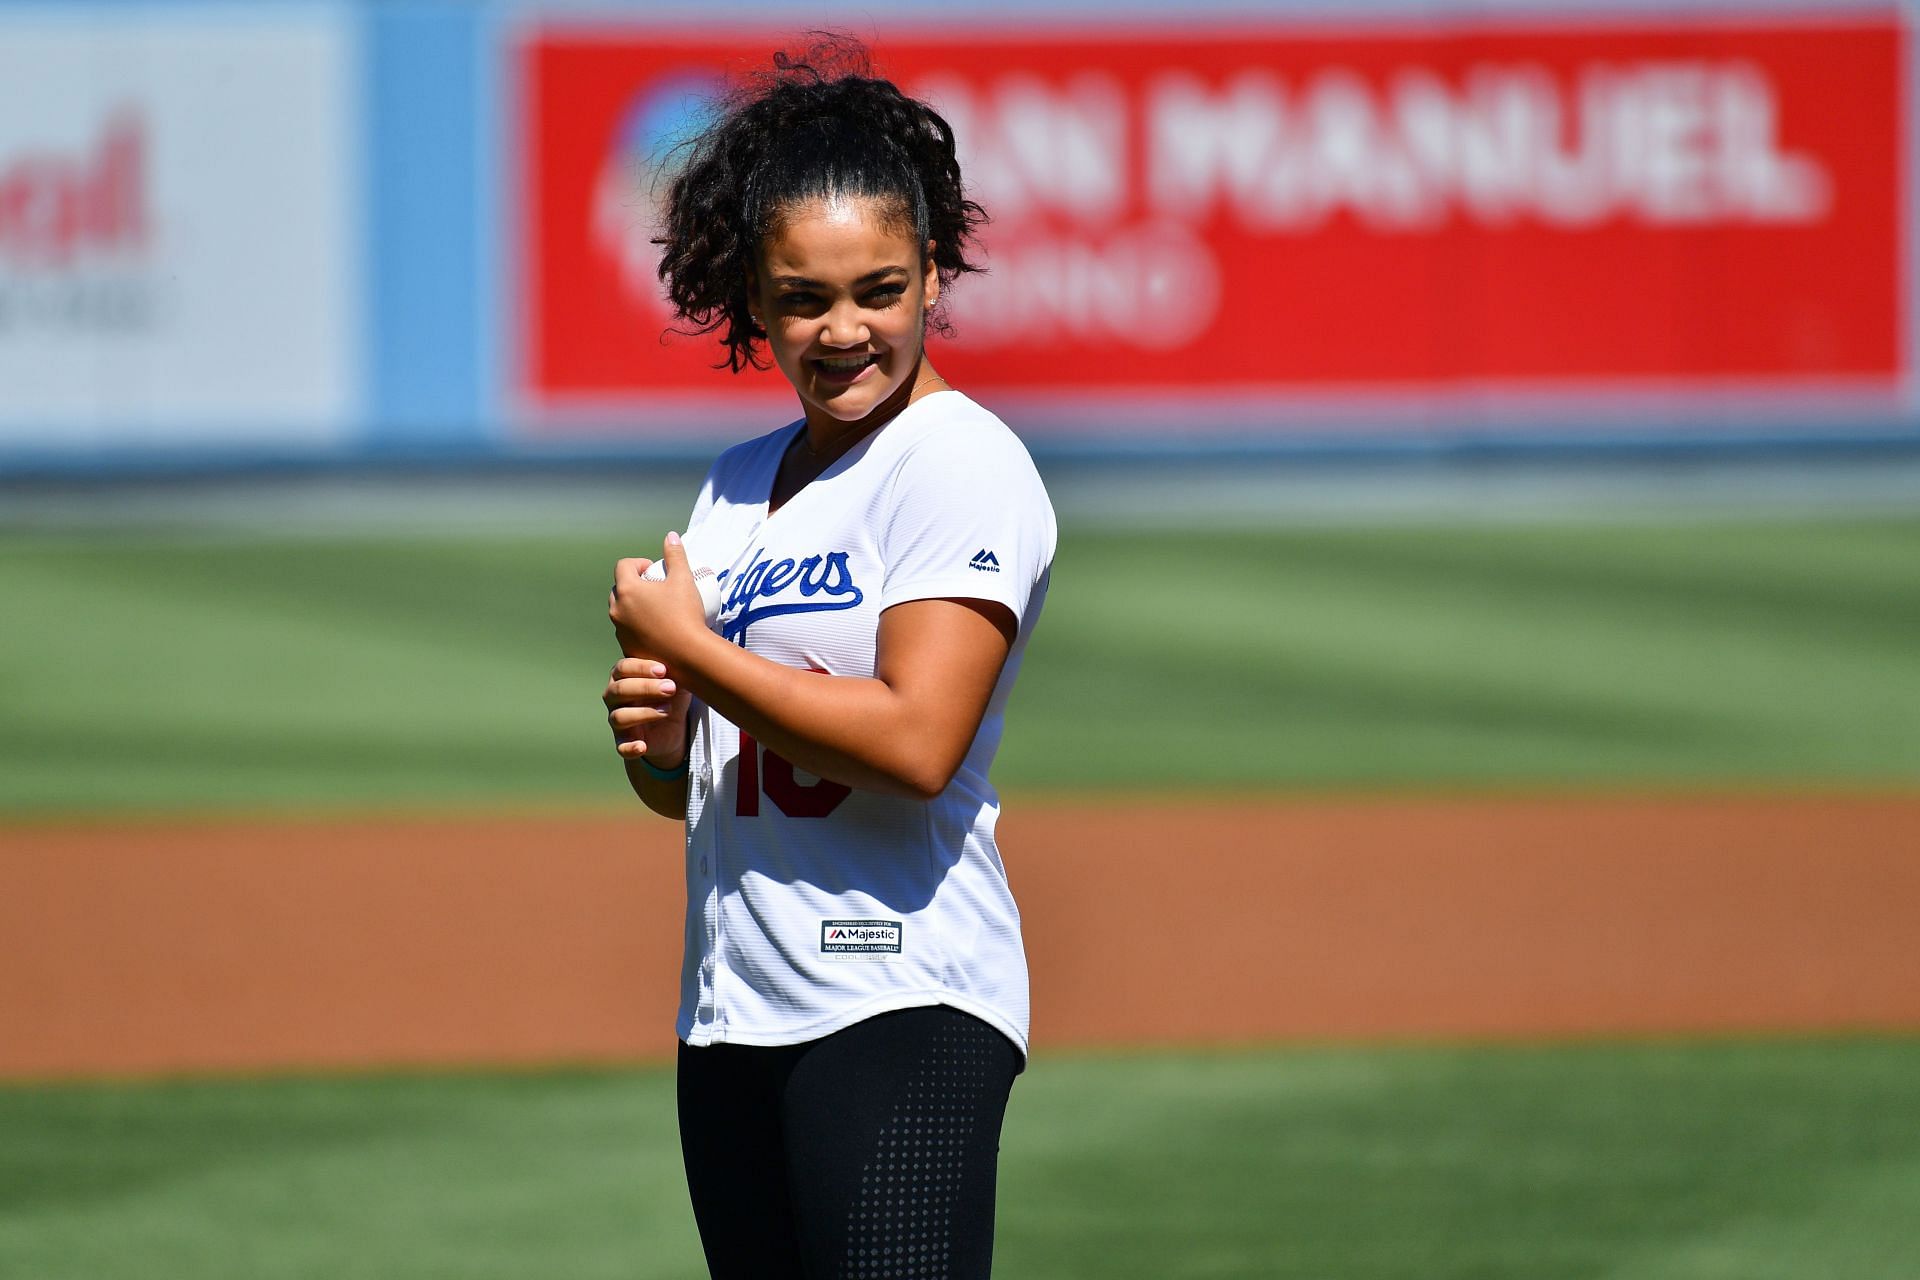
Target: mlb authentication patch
[(859, 937)]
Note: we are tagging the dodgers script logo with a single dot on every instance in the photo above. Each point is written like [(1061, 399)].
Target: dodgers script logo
[(816, 584)]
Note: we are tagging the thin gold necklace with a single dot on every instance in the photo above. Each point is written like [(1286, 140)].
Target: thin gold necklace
[(846, 442), (916, 392)]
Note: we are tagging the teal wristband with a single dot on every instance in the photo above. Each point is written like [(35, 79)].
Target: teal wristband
[(674, 774)]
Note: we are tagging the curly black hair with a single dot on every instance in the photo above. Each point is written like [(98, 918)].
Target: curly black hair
[(820, 124)]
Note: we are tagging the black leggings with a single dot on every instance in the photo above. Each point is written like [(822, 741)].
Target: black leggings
[(870, 1152)]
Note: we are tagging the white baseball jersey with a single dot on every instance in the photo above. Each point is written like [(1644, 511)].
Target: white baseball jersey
[(811, 906)]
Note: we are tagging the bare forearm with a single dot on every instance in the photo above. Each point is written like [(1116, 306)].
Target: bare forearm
[(666, 797), (853, 730)]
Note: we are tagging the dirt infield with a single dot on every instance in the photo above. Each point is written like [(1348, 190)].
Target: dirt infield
[(223, 947)]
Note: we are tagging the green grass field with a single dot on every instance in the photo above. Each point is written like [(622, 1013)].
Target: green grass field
[(221, 673), (216, 673), (1750, 1161)]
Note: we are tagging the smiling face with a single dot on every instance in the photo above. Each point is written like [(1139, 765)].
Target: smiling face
[(843, 292)]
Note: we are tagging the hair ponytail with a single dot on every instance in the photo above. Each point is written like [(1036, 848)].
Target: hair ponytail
[(818, 125)]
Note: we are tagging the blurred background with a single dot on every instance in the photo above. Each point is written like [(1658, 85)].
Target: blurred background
[(1462, 794)]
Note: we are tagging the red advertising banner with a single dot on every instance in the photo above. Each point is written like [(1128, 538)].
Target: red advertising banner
[(1277, 214)]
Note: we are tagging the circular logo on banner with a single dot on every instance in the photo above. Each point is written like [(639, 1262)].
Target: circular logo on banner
[(631, 190)]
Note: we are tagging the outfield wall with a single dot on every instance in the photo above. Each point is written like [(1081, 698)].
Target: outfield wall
[(352, 232)]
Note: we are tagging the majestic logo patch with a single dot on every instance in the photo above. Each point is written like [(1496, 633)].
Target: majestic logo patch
[(985, 561), (859, 937)]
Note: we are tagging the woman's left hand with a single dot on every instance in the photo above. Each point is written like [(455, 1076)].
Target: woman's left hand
[(657, 620)]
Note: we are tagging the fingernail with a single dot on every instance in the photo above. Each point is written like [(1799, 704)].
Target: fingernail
[(666, 686), (658, 670), (673, 539)]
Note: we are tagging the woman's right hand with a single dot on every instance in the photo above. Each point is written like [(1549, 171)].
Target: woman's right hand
[(647, 712)]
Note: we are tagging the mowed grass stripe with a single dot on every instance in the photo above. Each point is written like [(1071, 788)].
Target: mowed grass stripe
[(1679, 1161), (428, 672), (318, 673), (1485, 655)]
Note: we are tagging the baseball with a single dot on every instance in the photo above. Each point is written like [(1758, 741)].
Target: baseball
[(703, 578)]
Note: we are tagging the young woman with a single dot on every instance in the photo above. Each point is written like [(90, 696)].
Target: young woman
[(854, 994)]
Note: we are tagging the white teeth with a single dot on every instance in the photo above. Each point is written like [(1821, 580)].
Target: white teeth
[(846, 364)]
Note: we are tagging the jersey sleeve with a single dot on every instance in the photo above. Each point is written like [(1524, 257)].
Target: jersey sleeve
[(967, 518), (703, 501), (715, 483)]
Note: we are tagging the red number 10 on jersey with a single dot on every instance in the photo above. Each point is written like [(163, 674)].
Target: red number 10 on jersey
[(763, 770)]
